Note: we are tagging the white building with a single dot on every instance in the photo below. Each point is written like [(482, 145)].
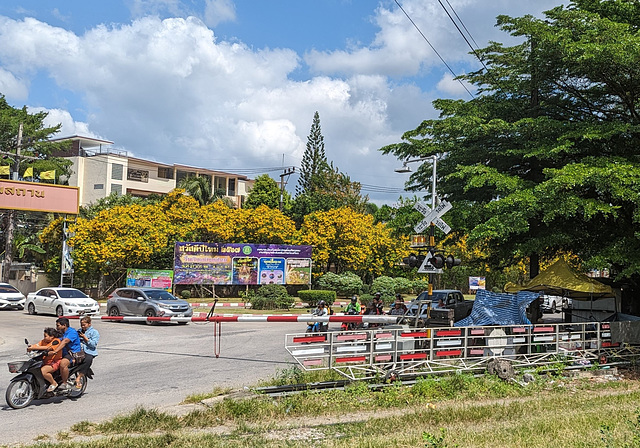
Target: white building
[(99, 169)]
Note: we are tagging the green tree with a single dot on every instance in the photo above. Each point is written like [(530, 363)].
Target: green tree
[(314, 161), (266, 191), (24, 142), (545, 158), (199, 188)]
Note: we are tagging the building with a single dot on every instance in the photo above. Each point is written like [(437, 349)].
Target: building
[(99, 169)]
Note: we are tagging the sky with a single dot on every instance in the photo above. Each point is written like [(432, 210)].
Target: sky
[(234, 85)]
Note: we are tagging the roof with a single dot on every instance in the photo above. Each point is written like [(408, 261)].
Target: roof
[(561, 280)]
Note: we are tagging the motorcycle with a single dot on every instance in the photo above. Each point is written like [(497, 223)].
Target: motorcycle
[(317, 327), (29, 384), (350, 326)]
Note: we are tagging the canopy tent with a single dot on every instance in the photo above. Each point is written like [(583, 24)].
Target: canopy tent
[(560, 280)]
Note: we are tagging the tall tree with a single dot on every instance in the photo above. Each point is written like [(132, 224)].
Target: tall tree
[(314, 161), (545, 158), (199, 188)]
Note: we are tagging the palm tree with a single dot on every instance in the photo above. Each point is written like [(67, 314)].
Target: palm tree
[(199, 188)]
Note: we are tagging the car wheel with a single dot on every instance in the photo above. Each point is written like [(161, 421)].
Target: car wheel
[(150, 313), (31, 309), (114, 311), (59, 311)]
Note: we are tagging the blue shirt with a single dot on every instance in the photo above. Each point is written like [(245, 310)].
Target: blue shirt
[(74, 344), (91, 346)]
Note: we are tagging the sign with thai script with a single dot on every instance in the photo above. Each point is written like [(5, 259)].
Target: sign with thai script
[(38, 197), (241, 264), (150, 278)]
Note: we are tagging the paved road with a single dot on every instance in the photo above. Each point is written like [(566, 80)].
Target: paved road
[(138, 364)]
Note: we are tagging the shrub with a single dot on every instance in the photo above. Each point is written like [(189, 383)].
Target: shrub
[(386, 287), (419, 285), (270, 297), (185, 294), (313, 296), (403, 285), (344, 285)]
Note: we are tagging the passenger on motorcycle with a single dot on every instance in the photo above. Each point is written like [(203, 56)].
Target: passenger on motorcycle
[(51, 362), (89, 338), (353, 307), (379, 303), (321, 310), (69, 345)]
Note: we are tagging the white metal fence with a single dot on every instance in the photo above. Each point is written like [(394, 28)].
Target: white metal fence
[(422, 351)]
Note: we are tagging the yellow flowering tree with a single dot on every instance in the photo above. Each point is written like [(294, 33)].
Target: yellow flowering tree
[(345, 240)]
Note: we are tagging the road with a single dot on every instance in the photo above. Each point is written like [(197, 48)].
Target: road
[(140, 365)]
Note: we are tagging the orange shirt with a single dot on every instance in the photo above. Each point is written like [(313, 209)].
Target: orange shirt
[(51, 357)]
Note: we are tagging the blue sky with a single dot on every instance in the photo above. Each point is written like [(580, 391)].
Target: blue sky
[(233, 86)]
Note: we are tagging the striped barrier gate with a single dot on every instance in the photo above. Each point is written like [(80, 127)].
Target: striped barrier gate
[(408, 351)]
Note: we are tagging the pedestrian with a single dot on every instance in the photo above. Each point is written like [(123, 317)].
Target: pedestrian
[(89, 338)]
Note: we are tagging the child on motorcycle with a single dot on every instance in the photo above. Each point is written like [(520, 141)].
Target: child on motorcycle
[(51, 362)]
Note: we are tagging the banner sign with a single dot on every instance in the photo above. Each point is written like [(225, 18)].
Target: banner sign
[(149, 278), (38, 197), (476, 283), (241, 264)]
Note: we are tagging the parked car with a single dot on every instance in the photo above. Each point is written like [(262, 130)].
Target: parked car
[(552, 304), (61, 302), (149, 302), (11, 298), (453, 300)]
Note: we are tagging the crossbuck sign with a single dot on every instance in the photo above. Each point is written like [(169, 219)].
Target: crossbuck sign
[(432, 216)]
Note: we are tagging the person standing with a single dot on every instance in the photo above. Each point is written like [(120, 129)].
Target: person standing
[(69, 345), (89, 338)]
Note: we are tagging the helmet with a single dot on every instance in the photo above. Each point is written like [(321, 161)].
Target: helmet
[(398, 296), (321, 303), (354, 299), (377, 294)]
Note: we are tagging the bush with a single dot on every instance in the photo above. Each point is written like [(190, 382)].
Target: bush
[(344, 285), (313, 296), (270, 297), (185, 294), (386, 286), (403, 285), (419, 285)]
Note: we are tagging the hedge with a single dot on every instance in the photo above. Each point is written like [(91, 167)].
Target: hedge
[(313, 296)]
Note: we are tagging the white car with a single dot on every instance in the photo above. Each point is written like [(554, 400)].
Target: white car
[(61, 302), (11, 298)]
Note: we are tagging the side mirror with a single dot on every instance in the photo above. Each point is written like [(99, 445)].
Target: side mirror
[(26, 341), (140, 298)]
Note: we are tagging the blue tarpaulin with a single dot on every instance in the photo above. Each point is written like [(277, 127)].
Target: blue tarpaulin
[(494, 308)]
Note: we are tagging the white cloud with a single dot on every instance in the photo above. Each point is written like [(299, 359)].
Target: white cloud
[(217, 11), (69, 125), (14, 89), (453, 87)]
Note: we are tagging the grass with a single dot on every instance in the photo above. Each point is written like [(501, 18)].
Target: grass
[(457, 410)]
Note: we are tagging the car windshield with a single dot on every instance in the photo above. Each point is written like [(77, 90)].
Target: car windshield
[(8, 288), (159, 294), (71, 294)]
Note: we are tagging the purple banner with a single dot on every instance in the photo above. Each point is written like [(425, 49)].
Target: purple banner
[(241, 264)]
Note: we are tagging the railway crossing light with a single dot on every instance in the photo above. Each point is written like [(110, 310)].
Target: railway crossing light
[(451, 261), (413, 260), (439, 261)]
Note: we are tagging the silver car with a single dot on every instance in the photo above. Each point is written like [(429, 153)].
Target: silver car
[(148, 302), (11, 298)]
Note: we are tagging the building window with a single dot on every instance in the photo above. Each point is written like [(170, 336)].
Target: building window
[(232, 187), (98, 186), (220, 186), (117, 189), (116, 171), (138, 175), (181, 175), (165, 173)]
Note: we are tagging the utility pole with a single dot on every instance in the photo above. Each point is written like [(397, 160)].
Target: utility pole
[(287, 172)]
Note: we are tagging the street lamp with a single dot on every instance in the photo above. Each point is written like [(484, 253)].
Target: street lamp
[(405, 168)]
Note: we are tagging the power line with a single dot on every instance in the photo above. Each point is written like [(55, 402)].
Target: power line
[(433, 48)]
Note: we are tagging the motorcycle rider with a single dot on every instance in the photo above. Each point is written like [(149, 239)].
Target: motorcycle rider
[(70, 343), (51, 362), (353, 307), (321, 310), (89, 338), (379, 303)]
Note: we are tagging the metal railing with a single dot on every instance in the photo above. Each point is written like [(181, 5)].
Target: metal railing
[(409, 351)]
